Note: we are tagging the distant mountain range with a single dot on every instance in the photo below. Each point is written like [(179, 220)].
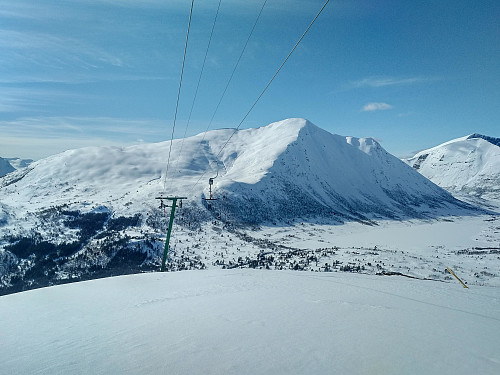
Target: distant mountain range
[(8, 165), (91, 211), (5, 167), (467, 167)]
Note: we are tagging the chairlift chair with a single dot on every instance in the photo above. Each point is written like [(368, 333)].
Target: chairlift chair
[(210, 183)]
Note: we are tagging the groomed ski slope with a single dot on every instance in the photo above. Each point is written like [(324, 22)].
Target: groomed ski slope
[(251, 322)]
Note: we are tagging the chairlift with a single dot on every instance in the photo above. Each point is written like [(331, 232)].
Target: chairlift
[(210, 196), (210, 183)]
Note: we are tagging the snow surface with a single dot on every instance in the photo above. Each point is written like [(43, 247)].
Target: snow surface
[(416, 248), (468, 167), (251, 322)]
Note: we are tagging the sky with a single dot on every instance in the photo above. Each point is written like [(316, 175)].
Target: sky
[(411, 74)]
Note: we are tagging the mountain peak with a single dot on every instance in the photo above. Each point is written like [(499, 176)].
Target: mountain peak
[(468, 166), (292, 125)]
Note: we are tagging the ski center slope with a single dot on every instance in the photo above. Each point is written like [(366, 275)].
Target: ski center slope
[(251, 322)]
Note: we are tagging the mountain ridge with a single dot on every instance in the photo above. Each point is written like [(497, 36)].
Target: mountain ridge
[(92, 212), (325, 171), (492, 140)]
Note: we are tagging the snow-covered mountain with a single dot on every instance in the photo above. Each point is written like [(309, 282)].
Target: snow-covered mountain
[(287, 169), (308, 171), (468, 167), (5, 167), (19, 163), (8, 165), (93, 209)]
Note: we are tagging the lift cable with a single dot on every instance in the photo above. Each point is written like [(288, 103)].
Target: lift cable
[(234, 70), (178, 94), (199, 78), (264, 90)]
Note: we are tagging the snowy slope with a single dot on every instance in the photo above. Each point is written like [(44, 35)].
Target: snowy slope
[(251, 322), (468, 167), (5, 167), (92, 211), (287, 169), (330, 175)]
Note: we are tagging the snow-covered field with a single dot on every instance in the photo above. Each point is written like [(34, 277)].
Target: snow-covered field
[(251, 322), (424, 249)]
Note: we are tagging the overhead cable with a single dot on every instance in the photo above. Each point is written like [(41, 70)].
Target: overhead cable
[(265, 88), (234, 69), (178, 94), (199, 78)]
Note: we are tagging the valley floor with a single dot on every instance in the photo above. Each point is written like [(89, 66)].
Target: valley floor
[(470, 246)]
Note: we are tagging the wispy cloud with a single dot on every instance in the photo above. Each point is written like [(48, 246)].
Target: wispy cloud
[(241, 5), (44, 136), (54, 50), (49, 127), (382, 81), (24, 99), (370, 107), (30, 10), (38, 148), (411, 113)]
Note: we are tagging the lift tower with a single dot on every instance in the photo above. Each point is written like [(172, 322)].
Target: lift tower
[(171, 221)]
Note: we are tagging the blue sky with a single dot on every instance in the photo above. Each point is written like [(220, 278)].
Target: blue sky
[(411, 74)]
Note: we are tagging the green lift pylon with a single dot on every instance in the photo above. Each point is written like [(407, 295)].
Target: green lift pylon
[(171, 221)]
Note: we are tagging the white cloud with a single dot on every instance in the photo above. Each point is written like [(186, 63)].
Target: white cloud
[(18, 99), (370, 107), (54, 127), (381, 81)]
